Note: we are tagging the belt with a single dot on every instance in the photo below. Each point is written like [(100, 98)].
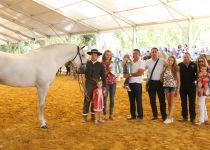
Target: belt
[(155, 80)]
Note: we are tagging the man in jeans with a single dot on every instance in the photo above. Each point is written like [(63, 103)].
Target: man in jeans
[(156, 86), (188, 76), (135, 84)]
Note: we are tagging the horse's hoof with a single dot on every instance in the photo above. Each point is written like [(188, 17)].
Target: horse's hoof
[(44, 127)]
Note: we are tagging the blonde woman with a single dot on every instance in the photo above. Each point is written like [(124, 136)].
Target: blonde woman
[(171, 84), (201, 61), (111, 83)]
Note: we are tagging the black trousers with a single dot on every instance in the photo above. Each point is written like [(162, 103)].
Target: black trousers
[(188, 92), (68, 70), (88, 98), (135, 98), (157, 87)]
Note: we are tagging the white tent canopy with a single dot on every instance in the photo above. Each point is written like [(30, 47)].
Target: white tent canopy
[(32, 19)]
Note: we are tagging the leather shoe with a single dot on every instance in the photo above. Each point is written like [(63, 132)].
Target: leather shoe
[(154, 118), (131, 118), (183, 120)]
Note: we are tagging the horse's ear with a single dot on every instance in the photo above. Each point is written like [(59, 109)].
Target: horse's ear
[(82, 47)]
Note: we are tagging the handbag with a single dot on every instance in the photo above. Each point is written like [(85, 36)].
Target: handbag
[(148, 83)]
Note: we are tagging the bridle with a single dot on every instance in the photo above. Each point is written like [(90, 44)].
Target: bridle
[(80, 57), (80, 77)]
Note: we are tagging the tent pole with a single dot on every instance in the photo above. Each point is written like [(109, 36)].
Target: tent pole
[(19, 48), (134, 38), (190, 34), (98, 44), (69, 38)]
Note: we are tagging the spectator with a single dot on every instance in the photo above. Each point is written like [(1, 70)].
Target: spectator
[(188, 76), (171, 84), (203, 118), (111, 83), (156, 86), (135, 84), (125, 65)]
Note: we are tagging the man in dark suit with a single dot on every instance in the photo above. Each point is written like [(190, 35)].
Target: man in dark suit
[(94, 71), (188, 74)]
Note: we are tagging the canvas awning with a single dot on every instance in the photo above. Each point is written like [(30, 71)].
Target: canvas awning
[(32, 19)]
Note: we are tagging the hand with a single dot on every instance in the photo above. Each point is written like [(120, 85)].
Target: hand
[(126, 75), (176, 93), (104, 91), (106, 72)]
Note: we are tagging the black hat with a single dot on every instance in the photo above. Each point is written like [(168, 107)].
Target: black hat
[(94, 51)]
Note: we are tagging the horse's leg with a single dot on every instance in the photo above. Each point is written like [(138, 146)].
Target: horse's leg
[(42, 91)]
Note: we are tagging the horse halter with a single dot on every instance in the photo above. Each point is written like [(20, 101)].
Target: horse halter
[(83, 65)]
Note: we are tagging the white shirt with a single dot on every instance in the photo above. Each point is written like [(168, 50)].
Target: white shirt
[(94, 61), (158, 69), (140, 64)]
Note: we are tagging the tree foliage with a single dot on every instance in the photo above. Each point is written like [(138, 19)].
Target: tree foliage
[(25, 46), (84, 40), (124, 39), (145, 39), (162, 37)]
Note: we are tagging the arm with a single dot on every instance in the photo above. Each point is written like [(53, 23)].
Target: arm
[(94, 93), (178, 82), (140, 72), (86, 70), (208, 74), (123, 63), (103, 76), (165, 63)]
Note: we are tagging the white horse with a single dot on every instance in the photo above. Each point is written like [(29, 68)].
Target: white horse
[(38, 68)]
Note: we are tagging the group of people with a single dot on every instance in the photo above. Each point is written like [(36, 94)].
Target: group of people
[(167, 79)]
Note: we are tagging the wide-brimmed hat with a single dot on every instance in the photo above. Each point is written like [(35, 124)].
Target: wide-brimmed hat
[(94, 51)]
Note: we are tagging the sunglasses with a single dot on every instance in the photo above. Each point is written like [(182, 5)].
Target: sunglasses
[(200, 61)]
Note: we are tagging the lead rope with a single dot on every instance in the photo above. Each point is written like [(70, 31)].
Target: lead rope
[(82, 86)]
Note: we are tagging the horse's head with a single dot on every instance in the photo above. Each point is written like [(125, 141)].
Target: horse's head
[(80, 60)]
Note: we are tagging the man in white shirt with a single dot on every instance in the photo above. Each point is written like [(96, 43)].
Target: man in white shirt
[(135, 84), (156, 86)]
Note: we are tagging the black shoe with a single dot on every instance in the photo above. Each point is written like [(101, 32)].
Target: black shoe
[(183, 120), (154, 118), (93, 117), (84, 119), (131, 118), (139, 119)]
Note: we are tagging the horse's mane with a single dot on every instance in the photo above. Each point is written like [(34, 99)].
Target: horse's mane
[(44, 48), (47, 48)]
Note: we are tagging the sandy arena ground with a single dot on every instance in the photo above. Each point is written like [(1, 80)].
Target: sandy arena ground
[(20, 129)]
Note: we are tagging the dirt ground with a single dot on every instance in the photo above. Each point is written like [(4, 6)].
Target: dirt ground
[(20, 129)]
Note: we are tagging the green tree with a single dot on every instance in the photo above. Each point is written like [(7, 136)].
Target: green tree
[(124, 39), (162, 37)]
